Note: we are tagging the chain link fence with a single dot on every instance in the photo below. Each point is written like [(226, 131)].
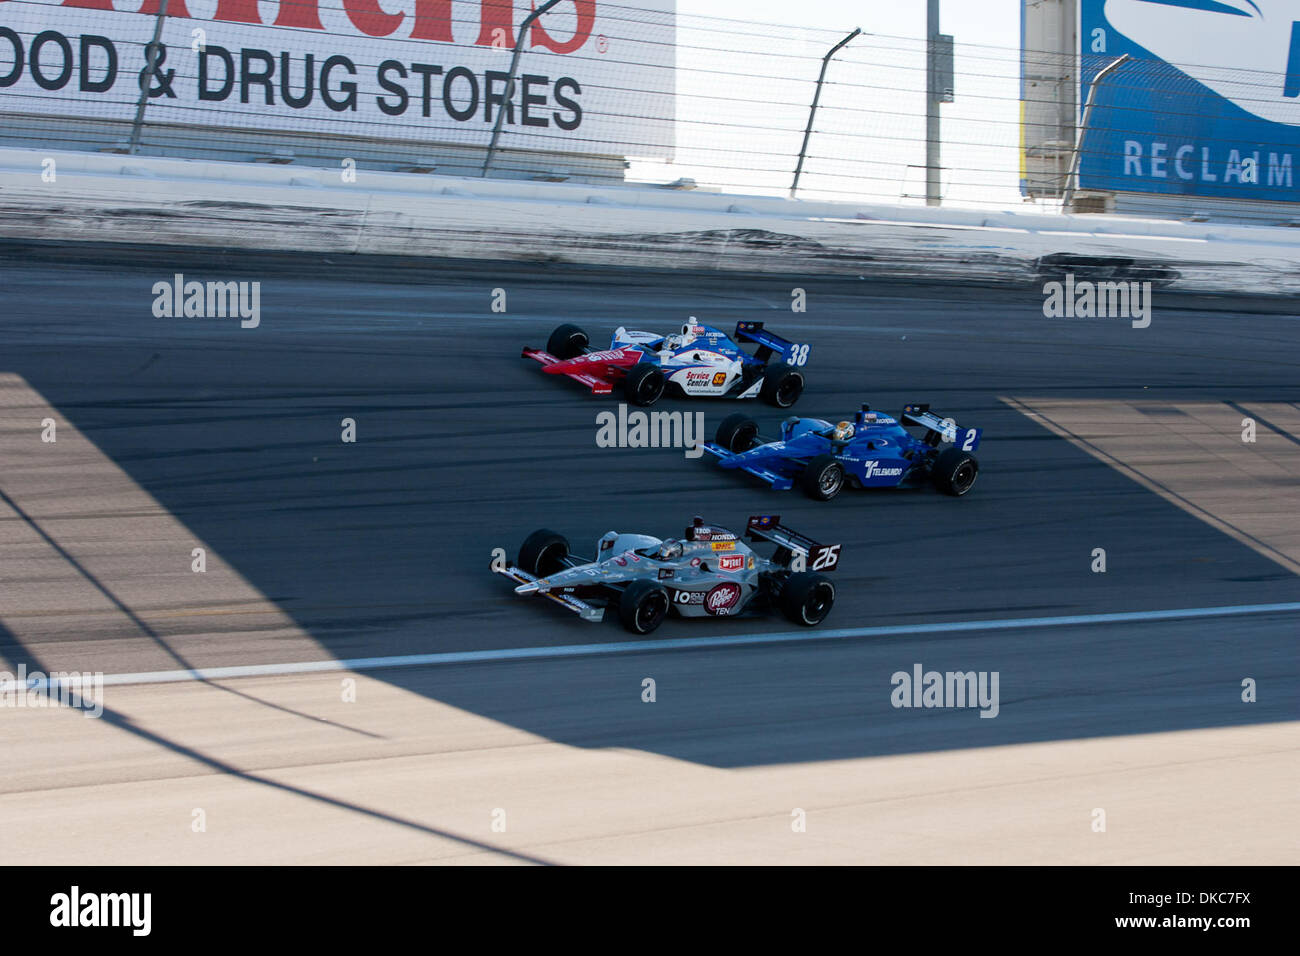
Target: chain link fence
[(604, 93)]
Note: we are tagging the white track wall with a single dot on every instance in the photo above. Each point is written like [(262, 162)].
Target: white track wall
[(170, 202)]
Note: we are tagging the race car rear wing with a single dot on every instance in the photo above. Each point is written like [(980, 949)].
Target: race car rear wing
[(816, 557), (942, 429), (769, 343)]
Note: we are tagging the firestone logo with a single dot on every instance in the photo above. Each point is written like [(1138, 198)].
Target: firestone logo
[(432, 19)]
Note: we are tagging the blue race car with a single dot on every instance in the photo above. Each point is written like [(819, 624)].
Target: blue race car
[(872, 451), (700, 360)]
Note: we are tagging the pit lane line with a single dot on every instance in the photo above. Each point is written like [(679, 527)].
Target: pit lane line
[(668, 644)]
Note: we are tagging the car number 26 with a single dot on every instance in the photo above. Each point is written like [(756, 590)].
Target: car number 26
[(827, 558)]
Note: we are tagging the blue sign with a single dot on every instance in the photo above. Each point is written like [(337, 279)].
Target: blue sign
[(1209, 104)]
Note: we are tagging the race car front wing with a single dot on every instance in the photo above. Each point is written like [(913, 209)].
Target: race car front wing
[(598, 385), (587, 612), (777, 480)]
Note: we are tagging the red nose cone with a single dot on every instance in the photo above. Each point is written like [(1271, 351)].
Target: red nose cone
[(618, 358)]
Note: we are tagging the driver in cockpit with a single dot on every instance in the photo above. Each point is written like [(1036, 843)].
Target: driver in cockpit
[(685, 338), (670, 550)]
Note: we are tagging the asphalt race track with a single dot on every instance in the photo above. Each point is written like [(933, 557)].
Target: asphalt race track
[(178, 433)]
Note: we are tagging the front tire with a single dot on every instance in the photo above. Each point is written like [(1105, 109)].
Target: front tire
[(954, 472), (644, 384), (781, 387), (642, 606), (737, 433), (567, 341), (543, 552), (823, 478), (807, 598)]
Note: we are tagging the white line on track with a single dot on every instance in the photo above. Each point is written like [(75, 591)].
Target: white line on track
[(673, 644)]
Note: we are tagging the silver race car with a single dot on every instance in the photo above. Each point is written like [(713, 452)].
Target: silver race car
[(708, 572)]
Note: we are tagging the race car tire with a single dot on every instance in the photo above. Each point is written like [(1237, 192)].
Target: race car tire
[(543, 552), (567, 341), (642, 606), (737, 433), (954, 472), (807, 598), (823, 478), (644, 384), (781, 387)]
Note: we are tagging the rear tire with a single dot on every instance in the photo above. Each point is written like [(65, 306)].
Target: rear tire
[(954, 472), (543, 552), (737, 433), (644, 384), (781, 387), (567, 341), (823, 478), (642, 606), (807, 598)]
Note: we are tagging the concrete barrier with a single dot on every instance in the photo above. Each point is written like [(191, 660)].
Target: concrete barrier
[(169, 202)]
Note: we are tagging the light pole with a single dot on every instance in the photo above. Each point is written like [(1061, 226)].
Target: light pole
[(932, 99)]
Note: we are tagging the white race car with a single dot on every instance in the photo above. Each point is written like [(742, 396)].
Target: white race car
[(698, 361)]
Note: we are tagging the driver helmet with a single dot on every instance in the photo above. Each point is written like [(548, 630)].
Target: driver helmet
[(843, 431), (670, 549), (683, 339)]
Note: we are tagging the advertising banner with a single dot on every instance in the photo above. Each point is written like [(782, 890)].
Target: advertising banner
[(1208, 106), (593, 77)]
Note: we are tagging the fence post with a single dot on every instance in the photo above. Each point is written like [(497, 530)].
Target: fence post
[(812, 111), (1072, 177), (510, 81), (147, 80)]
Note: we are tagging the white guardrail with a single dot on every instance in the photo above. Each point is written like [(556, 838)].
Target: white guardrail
[(169, 202)]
